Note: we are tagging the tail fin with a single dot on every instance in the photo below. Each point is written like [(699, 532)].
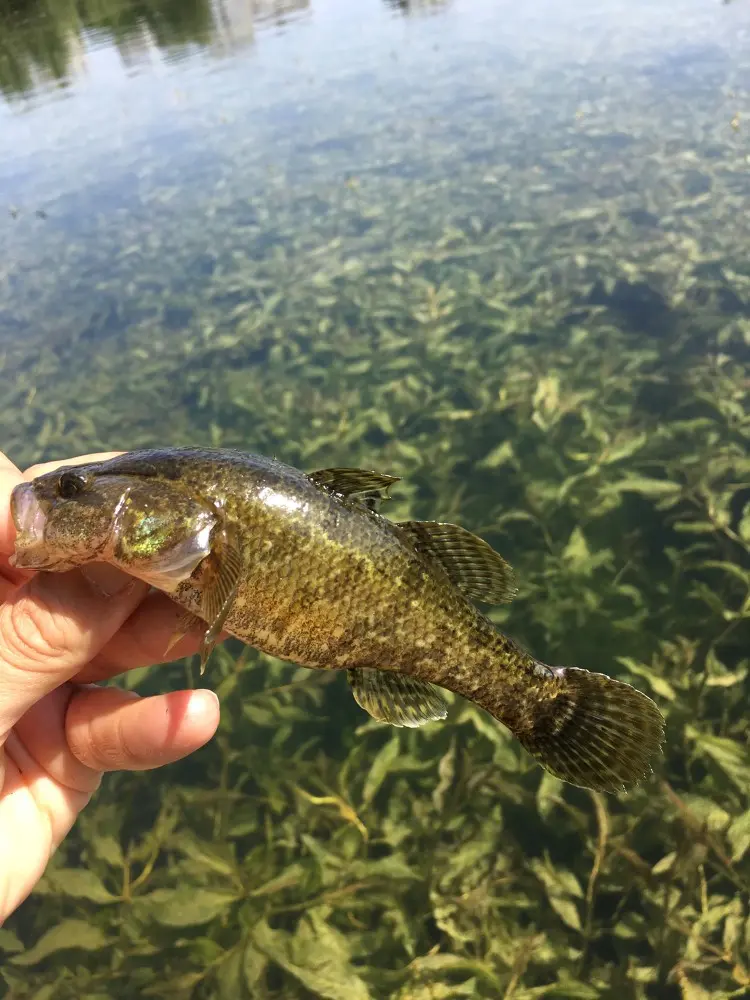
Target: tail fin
[(596, 732)]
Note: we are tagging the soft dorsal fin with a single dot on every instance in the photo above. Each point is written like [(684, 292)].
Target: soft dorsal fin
[(473, 565), (397, 699), (367, 488)]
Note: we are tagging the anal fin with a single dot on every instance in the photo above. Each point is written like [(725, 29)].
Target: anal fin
[(398, 699)]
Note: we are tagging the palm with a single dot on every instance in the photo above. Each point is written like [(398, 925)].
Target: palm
[(38, 807)]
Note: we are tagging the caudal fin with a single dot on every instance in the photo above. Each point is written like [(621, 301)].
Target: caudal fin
[(595, 732)]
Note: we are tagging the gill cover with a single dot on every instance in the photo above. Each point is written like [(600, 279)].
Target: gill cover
[(158, 537)]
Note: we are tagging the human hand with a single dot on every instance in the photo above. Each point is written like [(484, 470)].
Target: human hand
[(58, 731)]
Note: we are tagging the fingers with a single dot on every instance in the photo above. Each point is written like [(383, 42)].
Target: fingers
[(39, 750), (108, 729), (8, 585), (52, 626), (10, 476), (78, 731), (56, 753), (44, 780), (36, 812), (143, 640)]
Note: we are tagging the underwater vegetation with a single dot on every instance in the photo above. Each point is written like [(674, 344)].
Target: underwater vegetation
[(534, 310)]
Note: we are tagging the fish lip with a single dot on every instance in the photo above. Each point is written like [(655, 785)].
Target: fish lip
[(30, 520), (28, 514)]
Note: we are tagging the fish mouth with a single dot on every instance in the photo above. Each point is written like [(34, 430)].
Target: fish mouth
[(30, 520)]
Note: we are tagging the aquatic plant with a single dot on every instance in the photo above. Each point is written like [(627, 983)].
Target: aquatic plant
[(548, 340)]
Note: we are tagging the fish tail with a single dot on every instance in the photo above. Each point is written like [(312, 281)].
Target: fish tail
[(593, 731)]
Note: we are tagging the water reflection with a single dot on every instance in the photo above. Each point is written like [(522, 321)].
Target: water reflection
[(416, 6), (42, 43)]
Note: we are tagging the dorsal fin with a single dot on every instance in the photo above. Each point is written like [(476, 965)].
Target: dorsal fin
[(397, 699), (367, 488), (473, 565)]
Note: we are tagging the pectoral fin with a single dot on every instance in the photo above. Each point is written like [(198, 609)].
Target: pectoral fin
[(473, 565), (219, 581), (368, 488), (397, 699)]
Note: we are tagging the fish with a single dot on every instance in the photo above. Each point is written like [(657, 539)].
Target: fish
[(305, 567)]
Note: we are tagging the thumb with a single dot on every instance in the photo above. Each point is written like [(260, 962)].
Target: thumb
[(52, 626)]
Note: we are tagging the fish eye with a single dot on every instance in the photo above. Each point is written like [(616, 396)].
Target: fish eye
[(70, 485)]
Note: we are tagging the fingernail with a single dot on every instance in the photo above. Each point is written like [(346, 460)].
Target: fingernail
[(203, 704), (107, 579)]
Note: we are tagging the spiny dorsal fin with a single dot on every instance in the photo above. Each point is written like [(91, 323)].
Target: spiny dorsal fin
[(397, 699), (367, 488), (473, 565)]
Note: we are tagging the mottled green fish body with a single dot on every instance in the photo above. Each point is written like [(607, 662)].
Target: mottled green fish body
[(304, 567)]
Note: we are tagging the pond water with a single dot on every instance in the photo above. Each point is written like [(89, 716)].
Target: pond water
[(499, 251)]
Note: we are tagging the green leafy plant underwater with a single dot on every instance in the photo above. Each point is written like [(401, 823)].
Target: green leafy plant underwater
[(567, 378), (320, 854)]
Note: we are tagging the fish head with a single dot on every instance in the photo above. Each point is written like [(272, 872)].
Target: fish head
[(153, 529), (61, 520)]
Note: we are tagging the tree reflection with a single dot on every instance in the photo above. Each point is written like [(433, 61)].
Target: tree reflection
[(415, 6), (43, 40)]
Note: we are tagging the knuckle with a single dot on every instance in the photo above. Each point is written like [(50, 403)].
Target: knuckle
[(97, 737), (95, 750), (35, 632)]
